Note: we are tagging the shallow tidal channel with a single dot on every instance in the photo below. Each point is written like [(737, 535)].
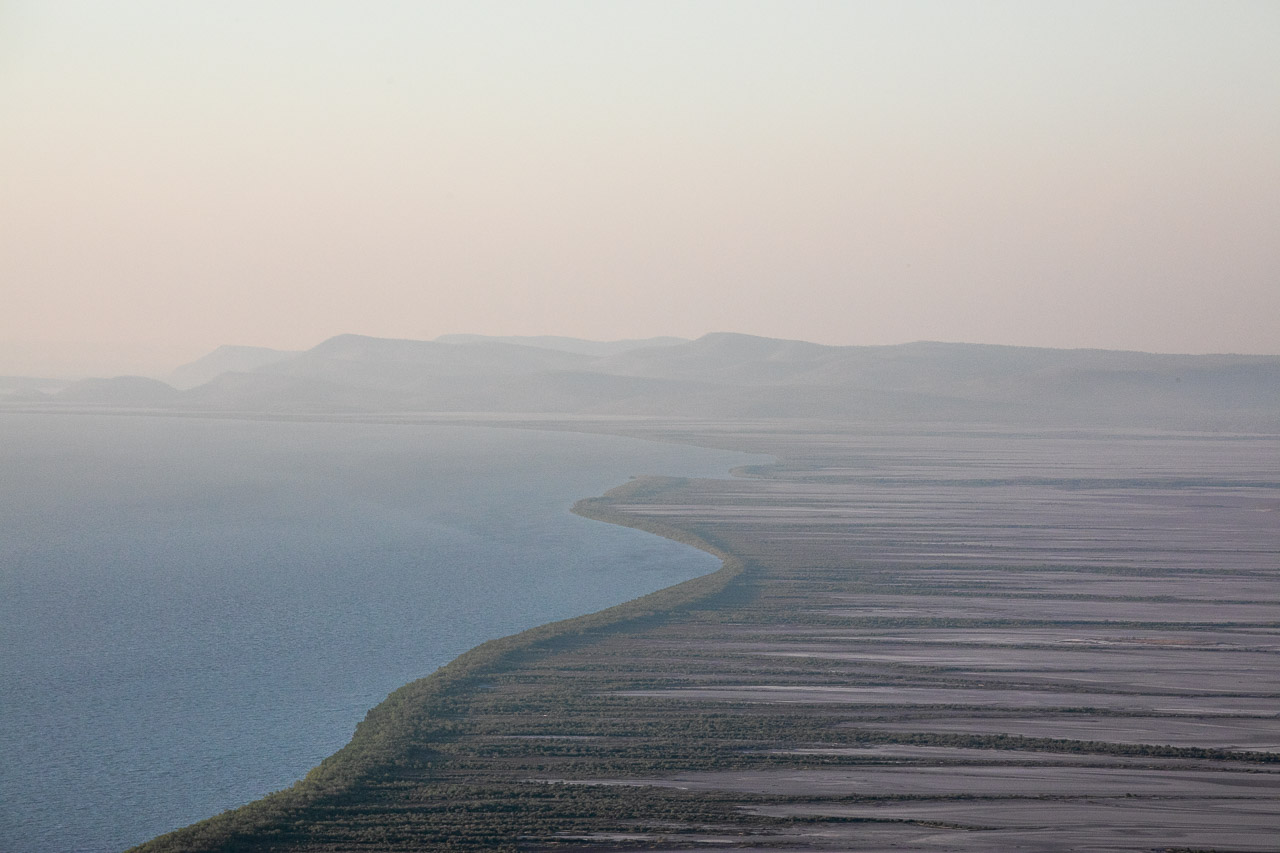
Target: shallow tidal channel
[(194, 612)]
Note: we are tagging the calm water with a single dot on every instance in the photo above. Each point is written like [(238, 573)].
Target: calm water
[(194, 612)]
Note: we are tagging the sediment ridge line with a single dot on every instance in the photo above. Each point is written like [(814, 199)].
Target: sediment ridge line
[(404, 720)]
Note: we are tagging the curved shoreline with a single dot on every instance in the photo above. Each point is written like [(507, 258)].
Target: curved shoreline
[(405, 719), (893, 662)]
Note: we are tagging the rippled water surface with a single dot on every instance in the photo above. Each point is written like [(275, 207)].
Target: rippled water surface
[(195, 612)]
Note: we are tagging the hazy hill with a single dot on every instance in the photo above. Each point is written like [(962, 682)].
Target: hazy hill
[(225, 359), (429, 357), (417, 373), (130, 391), (357, 373), (15, 389), (740, 359), (574, 345), (924, 367), (734, 376)]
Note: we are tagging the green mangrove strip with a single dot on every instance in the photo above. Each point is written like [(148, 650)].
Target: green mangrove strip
[(417, 715)]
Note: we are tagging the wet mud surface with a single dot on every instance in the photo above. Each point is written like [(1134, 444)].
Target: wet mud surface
[(945, 641)]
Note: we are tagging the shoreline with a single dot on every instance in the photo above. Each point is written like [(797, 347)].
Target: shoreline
[(391, 726), (908, 641)]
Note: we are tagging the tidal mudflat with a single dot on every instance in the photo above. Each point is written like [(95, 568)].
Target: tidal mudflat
[(946, 640)]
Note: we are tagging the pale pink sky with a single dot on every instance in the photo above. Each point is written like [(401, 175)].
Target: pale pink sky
[(1077, 174)]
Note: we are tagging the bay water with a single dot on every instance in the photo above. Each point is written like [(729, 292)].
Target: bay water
[(194, 612)]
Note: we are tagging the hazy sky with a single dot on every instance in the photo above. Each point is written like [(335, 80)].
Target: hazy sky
[(177, 175)]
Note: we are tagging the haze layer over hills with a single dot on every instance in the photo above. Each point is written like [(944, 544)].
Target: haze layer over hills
[(717, 376)]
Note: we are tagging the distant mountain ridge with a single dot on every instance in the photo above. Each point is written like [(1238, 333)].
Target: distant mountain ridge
[(723, 375), (120, 390), (580, 346), (222, 360)]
